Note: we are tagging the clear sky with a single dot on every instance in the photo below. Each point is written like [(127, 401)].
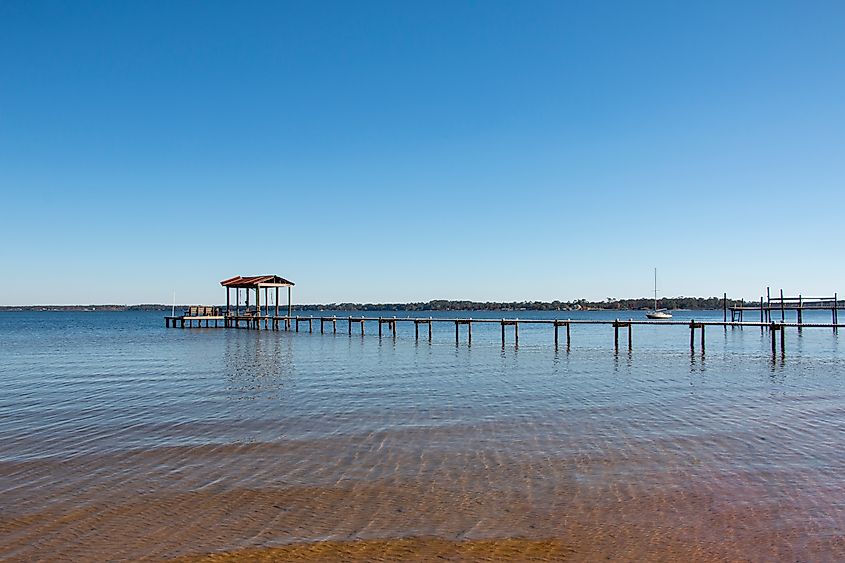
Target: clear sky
[(399, 151)]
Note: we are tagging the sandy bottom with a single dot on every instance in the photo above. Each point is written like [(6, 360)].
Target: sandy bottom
[(408, 549), (383, 522), (222, 503)]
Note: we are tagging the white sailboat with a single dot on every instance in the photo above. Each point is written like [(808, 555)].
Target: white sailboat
[(658, 314)]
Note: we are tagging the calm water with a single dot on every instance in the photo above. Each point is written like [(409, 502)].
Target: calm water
[(122, 439)]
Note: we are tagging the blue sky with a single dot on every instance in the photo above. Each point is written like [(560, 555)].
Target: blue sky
[(397, 151)]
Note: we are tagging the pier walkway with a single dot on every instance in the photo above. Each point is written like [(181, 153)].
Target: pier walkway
[(254, 317), (388, 324)]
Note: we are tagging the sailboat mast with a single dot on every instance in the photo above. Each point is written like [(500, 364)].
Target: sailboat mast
[(655, 289)]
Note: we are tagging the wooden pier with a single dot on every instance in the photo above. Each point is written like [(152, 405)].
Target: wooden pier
[(781, 304), (356, 325), (255, 318)]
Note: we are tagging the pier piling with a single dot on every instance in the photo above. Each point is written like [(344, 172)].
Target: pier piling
[(692, 326), (774, 329), (617, 324), (515, 324)]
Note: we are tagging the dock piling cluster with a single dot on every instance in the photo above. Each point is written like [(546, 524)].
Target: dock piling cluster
[(781, 304)]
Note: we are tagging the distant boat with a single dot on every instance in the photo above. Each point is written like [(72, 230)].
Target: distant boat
[(658, 314)]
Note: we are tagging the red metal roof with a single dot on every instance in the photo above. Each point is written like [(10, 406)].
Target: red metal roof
[(255, 281)]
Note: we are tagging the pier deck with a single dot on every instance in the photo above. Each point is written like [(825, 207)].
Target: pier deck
[(285, 322), (254, 317)]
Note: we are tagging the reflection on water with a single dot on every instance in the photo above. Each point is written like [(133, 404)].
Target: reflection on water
[(257, 365), (120, 439)]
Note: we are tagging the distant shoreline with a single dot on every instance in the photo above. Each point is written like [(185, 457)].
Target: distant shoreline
[(674, 303)]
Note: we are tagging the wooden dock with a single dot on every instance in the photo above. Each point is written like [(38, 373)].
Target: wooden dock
[(256, 318), (771, 306), (357, 325)]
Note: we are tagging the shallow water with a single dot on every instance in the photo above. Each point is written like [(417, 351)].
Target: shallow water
[(122, 439)]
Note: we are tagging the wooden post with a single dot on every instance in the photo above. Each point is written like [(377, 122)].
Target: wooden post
[(692, 335), (350, 325), (516, 333), (555, 323), (702, 337), (334, 325), (429, 329), (228, 299), (277, 302), (416, 331), (393, 327), (567, 335), (379, 327), (768, 304), (782, 314), (782, 340), (290, 307), (772, 329), (800, 311), (725, 308), (258, 307), (469, 332), (630, 337), (503, 332), (456, 332), (616, 334), (362, 326)]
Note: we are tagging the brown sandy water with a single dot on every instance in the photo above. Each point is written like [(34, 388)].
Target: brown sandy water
[(123, 443)]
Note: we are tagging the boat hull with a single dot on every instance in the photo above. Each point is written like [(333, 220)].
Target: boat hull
[(658, 315)]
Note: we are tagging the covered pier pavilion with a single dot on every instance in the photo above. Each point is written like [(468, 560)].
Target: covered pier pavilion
[(252, 315), (245, 310)]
